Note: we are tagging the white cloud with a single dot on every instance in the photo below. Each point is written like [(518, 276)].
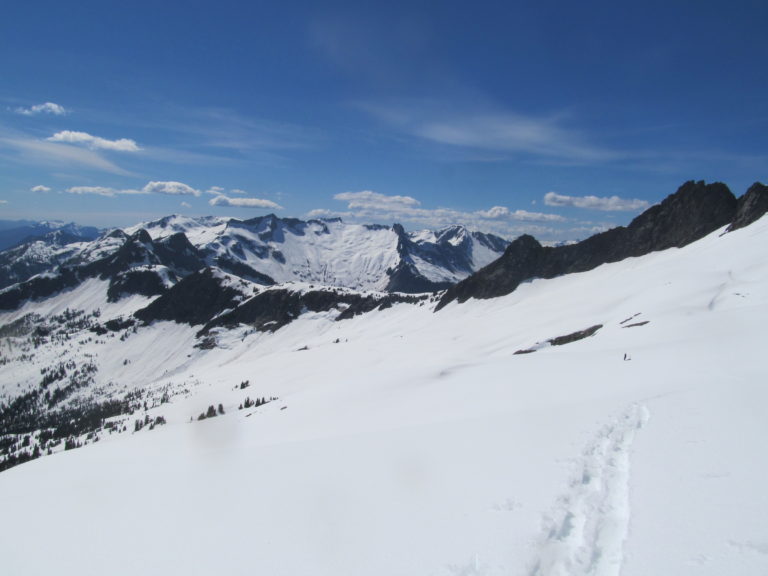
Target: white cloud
[(238, 191), (373, 207), (171, 188), (495, 212), (3, 201), (186, 205), (608, 204), (526, 216), (40, 188), (367, 199), (95, 142), (225, 201), (46, 108), (502, 212)]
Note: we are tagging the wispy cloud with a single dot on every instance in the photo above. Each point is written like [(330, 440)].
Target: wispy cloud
[(607, 204), (44, 153), (220, 135), (46, 108), (102, 191), (95, 142), (186, 205), (40, 188), (373, 207), (225, 201), (95, 190), (3, 201), (490, 130)]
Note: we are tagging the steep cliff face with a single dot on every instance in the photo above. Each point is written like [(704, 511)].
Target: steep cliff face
[(695, 210), (751, 206)]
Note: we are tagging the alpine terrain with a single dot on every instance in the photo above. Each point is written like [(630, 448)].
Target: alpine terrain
[(287, 397)]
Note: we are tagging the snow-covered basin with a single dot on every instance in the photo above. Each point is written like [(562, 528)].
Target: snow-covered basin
[(419, 444)]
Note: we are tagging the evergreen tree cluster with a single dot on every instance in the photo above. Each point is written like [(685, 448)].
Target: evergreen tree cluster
[(248, 403), (211, 412), (148, 422)]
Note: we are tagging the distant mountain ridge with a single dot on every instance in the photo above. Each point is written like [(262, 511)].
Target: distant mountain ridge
[(15, 232), (38, 247), (333, 253), (149, 259)]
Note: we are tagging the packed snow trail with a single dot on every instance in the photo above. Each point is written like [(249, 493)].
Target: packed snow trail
[(586, 535)]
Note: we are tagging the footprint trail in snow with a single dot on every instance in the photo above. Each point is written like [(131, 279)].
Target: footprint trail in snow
[(586, 533)]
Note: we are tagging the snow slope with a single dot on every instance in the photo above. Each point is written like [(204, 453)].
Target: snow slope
[(406, 442)]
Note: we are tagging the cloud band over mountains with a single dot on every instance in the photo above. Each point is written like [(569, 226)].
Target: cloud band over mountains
[(606, 204)]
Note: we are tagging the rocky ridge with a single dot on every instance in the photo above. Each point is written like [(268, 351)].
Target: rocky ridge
[(694, 211)]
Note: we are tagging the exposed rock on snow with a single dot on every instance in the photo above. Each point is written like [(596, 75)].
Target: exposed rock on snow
[(567, 339)]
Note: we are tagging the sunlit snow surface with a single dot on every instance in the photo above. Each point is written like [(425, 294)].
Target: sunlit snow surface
[(419, 444)]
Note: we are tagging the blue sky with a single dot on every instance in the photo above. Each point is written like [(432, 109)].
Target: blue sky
[(554, 118)]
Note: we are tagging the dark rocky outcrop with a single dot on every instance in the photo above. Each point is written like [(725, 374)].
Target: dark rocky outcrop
[(146, 282), (238, 268), (194, 300), (272, 309), (38, 288), (575, 336), (405, 278), (567, 339), (751, 207), (178, 253), (689, 214), (174, 252)]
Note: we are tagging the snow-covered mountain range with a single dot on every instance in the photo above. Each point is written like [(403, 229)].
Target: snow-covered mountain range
[(151, 257), (585, 409), (15, 232)]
